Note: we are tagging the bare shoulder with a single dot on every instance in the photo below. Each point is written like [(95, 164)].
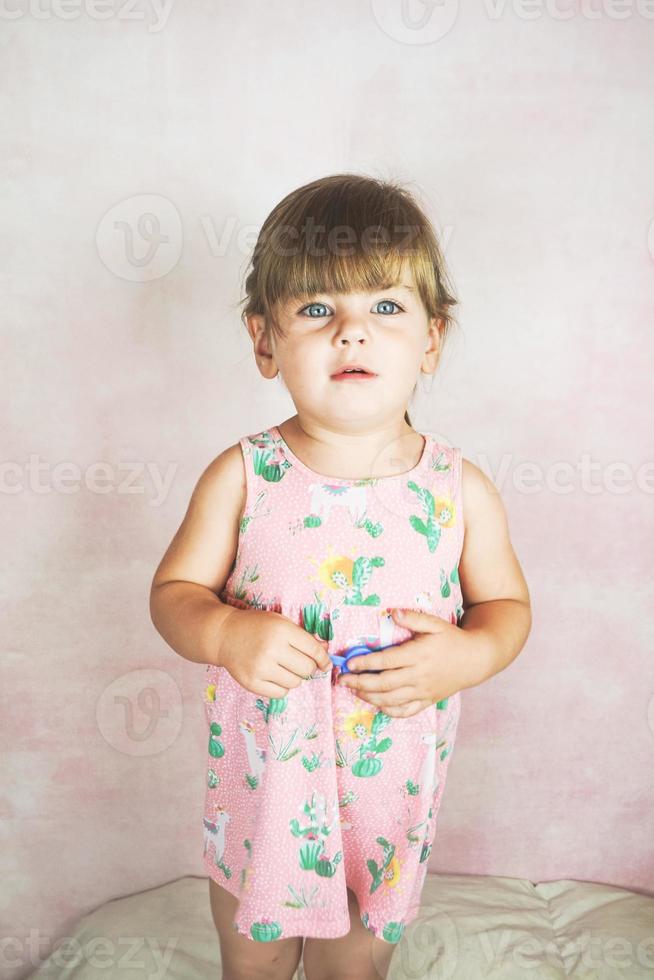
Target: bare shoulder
[(225, 472), (205, 545), (488, 567), (220, 491), (479, 494)]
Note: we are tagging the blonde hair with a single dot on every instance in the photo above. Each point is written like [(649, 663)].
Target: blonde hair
[(345, 233)]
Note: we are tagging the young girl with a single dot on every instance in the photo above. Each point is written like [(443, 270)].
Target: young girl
[(301, 544)]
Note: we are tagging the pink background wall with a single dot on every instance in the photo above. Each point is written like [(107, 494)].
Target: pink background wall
[(140, 157)]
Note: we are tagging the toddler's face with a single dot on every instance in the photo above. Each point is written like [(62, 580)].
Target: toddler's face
[(387, 331)]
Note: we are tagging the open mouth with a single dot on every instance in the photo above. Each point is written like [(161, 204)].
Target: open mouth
[(354, 374)]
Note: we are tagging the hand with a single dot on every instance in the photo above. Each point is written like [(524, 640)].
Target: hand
[(437, 662), (267, 653)]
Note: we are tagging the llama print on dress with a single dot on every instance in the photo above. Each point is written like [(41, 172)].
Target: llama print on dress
[(328, 790)]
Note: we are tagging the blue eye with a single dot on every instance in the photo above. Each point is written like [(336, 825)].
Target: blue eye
[(313, 305), (391, 302), (322, 306)]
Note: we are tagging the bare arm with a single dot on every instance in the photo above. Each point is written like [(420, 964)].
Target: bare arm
[(184, 603), (495, 594)]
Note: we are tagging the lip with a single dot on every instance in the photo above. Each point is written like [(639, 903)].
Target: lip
[(344, 373)]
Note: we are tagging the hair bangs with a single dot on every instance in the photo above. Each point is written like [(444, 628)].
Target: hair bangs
[(304, 276), (340, 234)]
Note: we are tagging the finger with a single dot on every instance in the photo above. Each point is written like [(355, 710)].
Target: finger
[(420, 621), (393, 698), (389, 659), (388, 680), (301, 663), (288, 677), (267, 689), (313, 647), (406, 710)]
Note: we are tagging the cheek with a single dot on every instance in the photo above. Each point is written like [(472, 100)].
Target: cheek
[(405, 359), (306, 366), (311, 352)]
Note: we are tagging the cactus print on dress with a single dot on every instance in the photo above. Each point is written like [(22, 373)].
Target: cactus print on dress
[(320, 791)]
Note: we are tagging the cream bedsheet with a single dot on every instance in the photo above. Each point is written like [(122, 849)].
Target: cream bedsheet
[(469, 928)]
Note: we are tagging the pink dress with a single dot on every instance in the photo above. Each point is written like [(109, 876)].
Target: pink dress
[(320, 791)]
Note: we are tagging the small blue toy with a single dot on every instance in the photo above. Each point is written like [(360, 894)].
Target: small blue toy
[(341, 660)]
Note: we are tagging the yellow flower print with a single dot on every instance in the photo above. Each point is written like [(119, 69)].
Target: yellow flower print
[(444, 511), (392, 873), (335, 571), (358, 724), (211, 692)]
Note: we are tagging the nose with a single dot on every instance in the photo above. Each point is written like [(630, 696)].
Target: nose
[(351, 329)]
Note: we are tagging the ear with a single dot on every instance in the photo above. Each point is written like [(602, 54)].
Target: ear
[(262, 344), (433, 345)]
